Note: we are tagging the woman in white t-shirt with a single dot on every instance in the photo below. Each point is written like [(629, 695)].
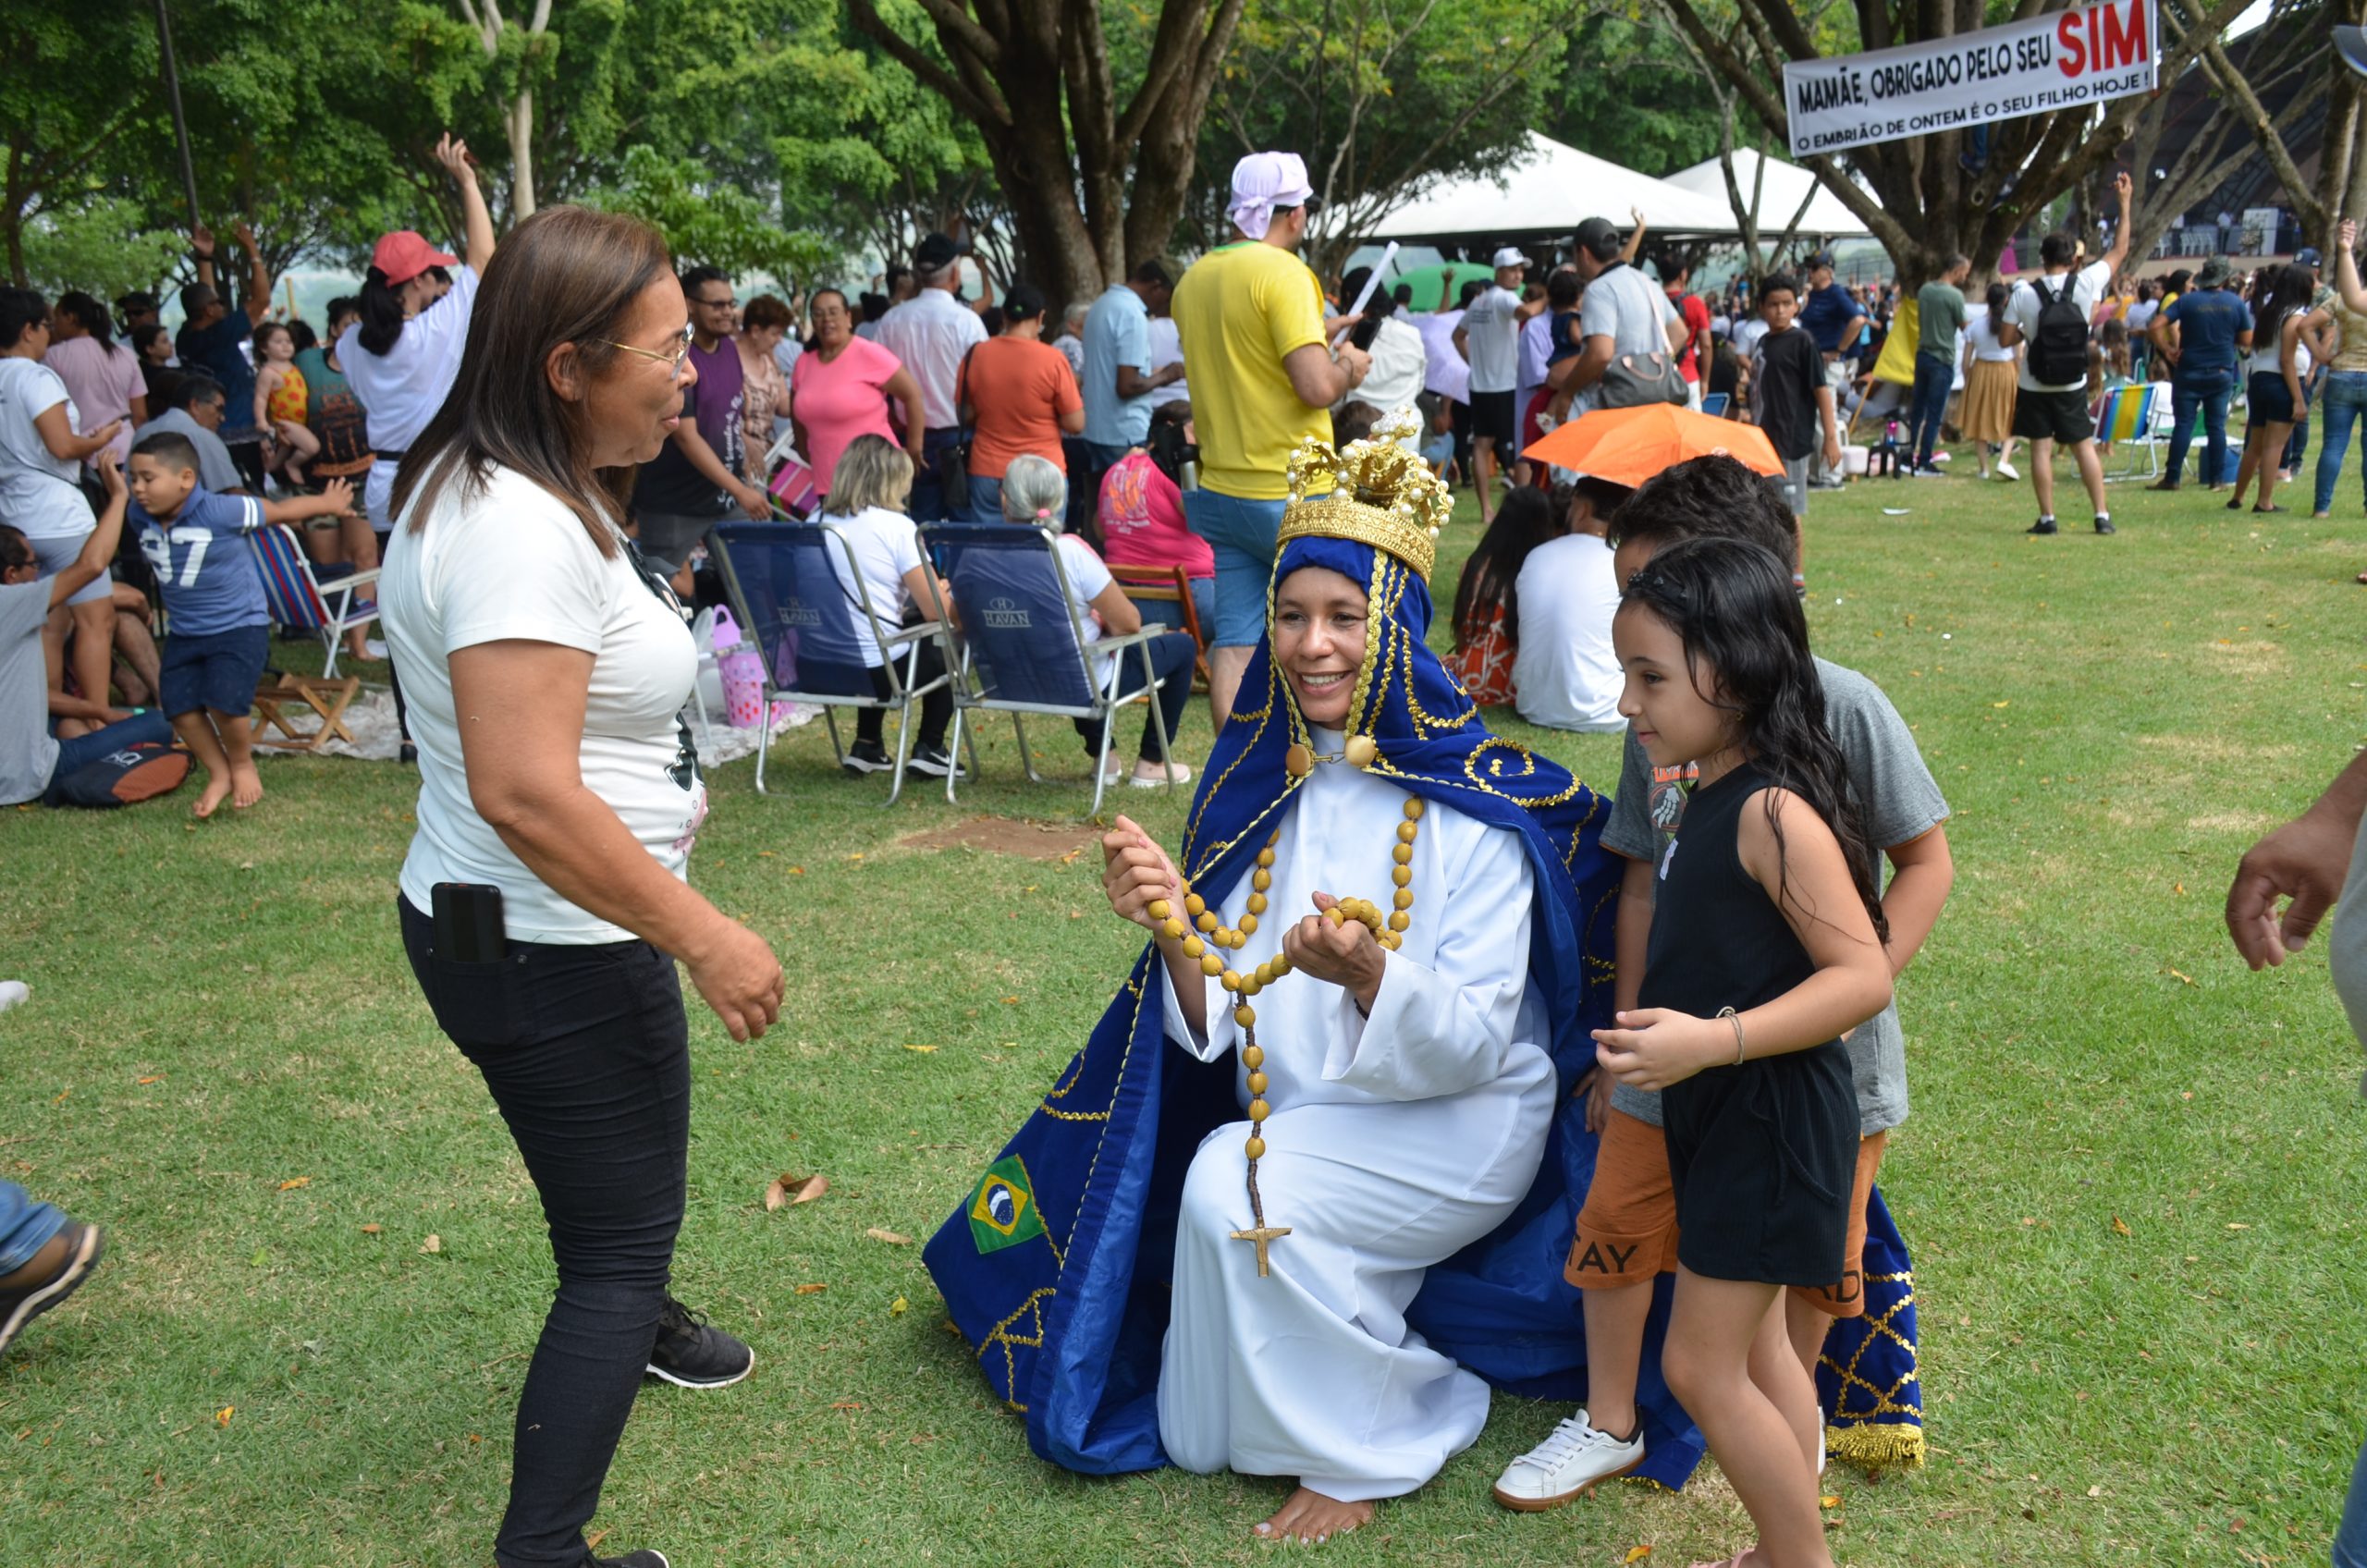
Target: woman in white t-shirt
[(868, 491), (400, 357), (42, 450), (544, 900), (1035, 495)]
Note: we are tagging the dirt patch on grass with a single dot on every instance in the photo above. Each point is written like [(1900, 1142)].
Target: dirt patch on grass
[(1063, 842)]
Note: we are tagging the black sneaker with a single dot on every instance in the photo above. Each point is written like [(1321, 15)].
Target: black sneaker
[(2045, 525), (648, 1557), (2104, 526), (933, 761), (867, 756), (25, 1303), (690, 1354), (2164, 483)]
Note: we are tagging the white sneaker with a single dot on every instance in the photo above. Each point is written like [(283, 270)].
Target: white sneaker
[(1176, 771), (2005, 471), (1570, 1463)]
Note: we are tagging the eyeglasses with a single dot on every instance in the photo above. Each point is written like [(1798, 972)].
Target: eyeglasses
[(673, 361)]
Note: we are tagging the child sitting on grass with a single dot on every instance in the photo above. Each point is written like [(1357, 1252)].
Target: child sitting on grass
[(218, 631)]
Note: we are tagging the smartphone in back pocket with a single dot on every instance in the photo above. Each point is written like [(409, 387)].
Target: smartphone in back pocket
[(467, 919)]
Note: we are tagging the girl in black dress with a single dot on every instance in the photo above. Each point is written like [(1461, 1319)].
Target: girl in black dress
[(1767, 946)]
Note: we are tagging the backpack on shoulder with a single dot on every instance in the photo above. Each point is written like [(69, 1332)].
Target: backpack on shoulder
[(126, 777), (2059, 348)]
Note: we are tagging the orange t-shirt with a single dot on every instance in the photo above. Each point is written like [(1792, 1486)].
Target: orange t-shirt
[(1019, 389)]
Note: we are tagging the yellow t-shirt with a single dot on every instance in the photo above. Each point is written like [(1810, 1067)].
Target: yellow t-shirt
[(1239, 310)]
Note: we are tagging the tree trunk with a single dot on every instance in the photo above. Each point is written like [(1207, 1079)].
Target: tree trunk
[(1093, 185)]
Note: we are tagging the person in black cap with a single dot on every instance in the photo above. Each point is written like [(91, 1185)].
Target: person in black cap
[(1834, 319), (2200, 336), (932, 333), (1622, 312)]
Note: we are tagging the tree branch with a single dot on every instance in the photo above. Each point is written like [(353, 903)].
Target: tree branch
[(867, 21)]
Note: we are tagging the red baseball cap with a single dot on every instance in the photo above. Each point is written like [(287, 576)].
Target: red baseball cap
[(403, 255)]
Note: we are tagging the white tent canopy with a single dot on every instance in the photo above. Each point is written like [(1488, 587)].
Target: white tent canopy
[(1780, 193), (1547, 190)]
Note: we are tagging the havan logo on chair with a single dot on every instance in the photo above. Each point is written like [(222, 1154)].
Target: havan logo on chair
[(1003, 615)]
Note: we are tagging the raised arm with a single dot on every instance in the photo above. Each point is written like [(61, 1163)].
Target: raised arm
[(1635, 246), (257, 304), (454, 155), (99, 548), (2346, 268), (2124, 188)]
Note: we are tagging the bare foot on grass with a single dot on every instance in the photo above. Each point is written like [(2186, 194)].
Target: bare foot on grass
[(246, 784), (1311, 1517), (218, 790)]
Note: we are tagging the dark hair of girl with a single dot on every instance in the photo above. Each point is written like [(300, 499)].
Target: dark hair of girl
[(1747, 648), (1170, 448), (90, 316), (2279, 292), (267, 331), (381, 306), (2001, 299), (568, 275), (21, 309), (1022, 301), (1491, 577), (300, 333)]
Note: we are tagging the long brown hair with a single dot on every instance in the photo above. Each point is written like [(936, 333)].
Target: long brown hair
[(567, 274)]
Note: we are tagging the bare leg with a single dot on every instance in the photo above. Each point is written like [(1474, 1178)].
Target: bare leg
[(1807, 1328), (2250, 466), (94, 648), (2006, 452), (361, 547), (196, 732), (239, 746), (1226, 667), (2272, 442), (1483, 460), (1614, 1328), (2091, 473), (1312, 1517), (2042, 475), (53, 646), (137, 646), (1719, 1337)]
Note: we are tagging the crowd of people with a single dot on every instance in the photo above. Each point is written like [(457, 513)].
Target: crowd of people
[(1730, 1045)]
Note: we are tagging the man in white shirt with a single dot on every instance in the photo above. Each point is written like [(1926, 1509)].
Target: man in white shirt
[(931, 333), (1489, 339), (1565, 674), (1117, 378), (1622, 312), (2052, 403)]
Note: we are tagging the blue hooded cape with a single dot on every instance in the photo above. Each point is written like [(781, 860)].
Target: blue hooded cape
[(1057, 1266)]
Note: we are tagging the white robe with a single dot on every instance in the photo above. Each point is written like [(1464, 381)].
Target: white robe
[(1394, 1141)]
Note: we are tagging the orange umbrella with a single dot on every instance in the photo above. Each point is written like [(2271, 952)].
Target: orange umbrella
[(1629, 446)]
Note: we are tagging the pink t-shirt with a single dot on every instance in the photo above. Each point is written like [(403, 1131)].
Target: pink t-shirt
[(1142, 520), (834, 403), (102, 382)]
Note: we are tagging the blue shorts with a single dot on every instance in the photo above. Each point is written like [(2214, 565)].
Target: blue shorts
[(1241, 532), (219, 671)]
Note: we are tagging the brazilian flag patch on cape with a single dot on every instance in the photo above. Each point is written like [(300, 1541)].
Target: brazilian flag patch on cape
[(1003, 1211)]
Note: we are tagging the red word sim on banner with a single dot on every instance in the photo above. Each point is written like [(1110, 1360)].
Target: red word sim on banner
[(2101, 38)]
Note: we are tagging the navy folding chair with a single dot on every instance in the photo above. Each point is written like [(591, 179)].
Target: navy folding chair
[(802, 615), (1713, 404), (1022, 646)]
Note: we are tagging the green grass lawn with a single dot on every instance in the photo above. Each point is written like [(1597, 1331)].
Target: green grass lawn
[(2130, 1181)]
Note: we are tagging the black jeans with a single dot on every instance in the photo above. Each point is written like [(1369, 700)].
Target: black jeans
[(1171, 658), (587, 1053), (937, 708)]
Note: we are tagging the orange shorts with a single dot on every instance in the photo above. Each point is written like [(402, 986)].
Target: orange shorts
[(1847, 1299), (1628, 1230)]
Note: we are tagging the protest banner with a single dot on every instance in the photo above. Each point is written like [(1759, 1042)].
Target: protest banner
[(2086, 55)]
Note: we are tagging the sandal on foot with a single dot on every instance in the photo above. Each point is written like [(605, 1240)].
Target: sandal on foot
[(2268, 512)]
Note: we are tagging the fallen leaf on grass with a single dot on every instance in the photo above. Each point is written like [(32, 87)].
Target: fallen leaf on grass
[(2119, 1226), (787, 1189), (592, 1541), (811, 1290), (260, 1258), (152, 1078), (797, 871), (1828, 1502), (1011, 1001), (372, 1230), (897, 1307), (61, 1098), (222, 1417), (846, 1405), (432, 1245), (2008, 702), (2238, 1227), (2181, 975), (924, 1050), (1637, 1554), (2179, 888), (295, 1181), (2095, 1491), (894, 1239)]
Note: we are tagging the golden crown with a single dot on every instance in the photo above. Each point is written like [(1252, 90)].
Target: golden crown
[(1382, 494)]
